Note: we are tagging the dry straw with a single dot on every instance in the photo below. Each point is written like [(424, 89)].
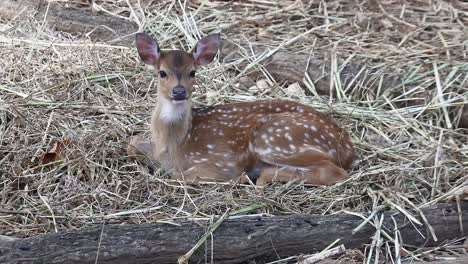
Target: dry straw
[(56, 87)]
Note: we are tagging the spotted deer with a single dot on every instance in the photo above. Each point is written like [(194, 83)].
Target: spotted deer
[(266, 141)]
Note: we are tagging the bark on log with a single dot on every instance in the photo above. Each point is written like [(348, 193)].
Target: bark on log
[(234, 241), (72, 19), (287, 67)]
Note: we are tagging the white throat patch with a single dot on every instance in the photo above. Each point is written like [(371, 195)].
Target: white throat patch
[(173, 111)]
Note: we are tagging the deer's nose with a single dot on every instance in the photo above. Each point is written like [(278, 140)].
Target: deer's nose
[(179, 93)]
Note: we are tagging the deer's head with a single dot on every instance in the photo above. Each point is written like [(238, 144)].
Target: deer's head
[(176, 68)]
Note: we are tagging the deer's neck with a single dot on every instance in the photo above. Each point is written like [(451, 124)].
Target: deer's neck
[(170, 127)]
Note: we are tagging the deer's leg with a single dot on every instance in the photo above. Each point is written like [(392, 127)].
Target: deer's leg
[(323, 172), (141, 150), (205, 172)]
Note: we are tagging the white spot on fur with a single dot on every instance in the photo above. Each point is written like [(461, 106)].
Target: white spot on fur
[(310, 148), (287, 167), (263, 151), (251, 149)]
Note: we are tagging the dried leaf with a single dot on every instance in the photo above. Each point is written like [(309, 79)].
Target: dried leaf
[(295, 90), (56, 153), (386, 23), (262, 84)]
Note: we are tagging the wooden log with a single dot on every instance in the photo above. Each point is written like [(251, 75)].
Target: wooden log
[(72, 19), (236, 240), (288, 67)]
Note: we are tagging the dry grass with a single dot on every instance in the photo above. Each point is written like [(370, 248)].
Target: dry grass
[(55, 87)]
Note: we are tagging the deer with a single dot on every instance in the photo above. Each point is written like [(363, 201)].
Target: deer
[(258, 142)]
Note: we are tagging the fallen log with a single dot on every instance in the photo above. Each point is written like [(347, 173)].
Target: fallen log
[(78, 22), (236, 240)]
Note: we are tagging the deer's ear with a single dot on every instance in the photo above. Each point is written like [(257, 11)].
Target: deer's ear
[(206, 49), (148, 48)]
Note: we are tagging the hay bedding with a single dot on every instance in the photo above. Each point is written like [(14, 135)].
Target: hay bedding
[(76, 104)]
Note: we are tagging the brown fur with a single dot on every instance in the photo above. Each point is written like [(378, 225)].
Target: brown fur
[(270, 140), (177, 75)]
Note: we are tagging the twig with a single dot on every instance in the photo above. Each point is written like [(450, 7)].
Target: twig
[(184, 259), (323, 255)]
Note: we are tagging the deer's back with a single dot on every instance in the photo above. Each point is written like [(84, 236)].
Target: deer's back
[(240, 132)]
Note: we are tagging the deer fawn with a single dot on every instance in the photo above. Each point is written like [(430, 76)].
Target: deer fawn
[(268, 140)]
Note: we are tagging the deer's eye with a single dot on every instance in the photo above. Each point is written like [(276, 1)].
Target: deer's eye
[(162, 74), (192, 74)]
